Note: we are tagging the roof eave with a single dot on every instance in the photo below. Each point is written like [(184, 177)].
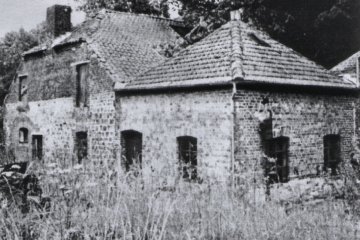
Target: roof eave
[(239, 82), (144, 89), (301, 87)]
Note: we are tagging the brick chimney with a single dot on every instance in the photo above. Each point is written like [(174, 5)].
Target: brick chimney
[(235, 15), (58, 18)]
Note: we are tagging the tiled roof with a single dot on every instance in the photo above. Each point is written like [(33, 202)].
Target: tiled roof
[(237, 51), (126, 43)]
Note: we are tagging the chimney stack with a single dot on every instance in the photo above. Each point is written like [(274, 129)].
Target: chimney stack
[(58, 18), (235, 15)]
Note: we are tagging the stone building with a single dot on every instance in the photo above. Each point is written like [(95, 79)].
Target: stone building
[(236, 101), (61, 105)]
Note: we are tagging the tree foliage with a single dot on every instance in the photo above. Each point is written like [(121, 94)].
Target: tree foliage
[(153, 7), (12, 45)]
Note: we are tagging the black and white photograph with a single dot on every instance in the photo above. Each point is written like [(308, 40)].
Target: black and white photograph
[(179, 119)]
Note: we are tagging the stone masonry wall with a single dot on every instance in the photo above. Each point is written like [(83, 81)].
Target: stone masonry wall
[(304, 118), (161, 118), (50, 110)]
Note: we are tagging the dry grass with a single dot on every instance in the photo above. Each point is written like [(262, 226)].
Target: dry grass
[(99, 203)]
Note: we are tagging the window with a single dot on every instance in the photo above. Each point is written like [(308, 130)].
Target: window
[(23, 135), (131, 145), (266, 129), (81, 85), (22, 88), (37, 147), (277, 149), (81, 145), (332, 152), (187, 153)]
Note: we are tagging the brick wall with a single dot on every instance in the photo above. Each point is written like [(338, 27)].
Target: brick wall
[(50, 110), (161, 118), (304, 118)]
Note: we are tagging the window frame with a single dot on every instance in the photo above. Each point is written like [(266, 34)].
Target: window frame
[(135, 140), (332, 150), (81, 85), (190, 163), (24, 139), (85, 151), (278, 149), (37, 149), (22, 88)]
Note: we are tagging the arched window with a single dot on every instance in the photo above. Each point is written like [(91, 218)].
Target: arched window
[(23, 135), (187, 154), (131, 145), (332, 152)]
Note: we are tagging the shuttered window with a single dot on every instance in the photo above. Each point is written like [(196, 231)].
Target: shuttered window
[(81, 85), (131, 145), (332, 152), (187, 154)]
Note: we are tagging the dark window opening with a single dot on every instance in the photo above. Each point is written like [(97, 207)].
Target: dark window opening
[(187, 153), (23, 135), (22, 88), (37, 147), (277, 150), (332, 152), (266, 129), (131, 145), (81, 85), (81, 145), (259, 40)]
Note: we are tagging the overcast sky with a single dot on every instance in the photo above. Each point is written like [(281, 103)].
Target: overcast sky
[(15, 14)]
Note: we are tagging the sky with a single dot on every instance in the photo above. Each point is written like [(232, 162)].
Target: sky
[(15, 14)]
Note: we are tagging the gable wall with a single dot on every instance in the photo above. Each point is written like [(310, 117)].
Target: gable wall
[(51, 112), (304, 118), (161, 118)]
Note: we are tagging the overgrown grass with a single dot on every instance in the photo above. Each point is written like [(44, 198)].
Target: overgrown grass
[(101, 203)]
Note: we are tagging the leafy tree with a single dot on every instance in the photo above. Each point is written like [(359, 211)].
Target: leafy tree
[(11, 47), (153, 7)]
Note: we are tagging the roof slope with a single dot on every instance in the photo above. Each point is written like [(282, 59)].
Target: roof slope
[(126, 43), (236, 51)]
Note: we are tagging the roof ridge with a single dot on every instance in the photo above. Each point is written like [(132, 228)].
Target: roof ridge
[(237, 70)]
